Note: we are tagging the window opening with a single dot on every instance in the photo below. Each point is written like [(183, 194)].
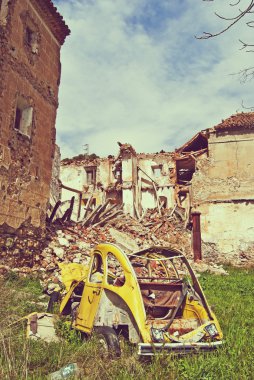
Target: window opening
[(115, 272), (185, 168), (90, 175), (4, 4), (118, 175), (117, 171), (163, 201), (97, 272), (157, 170), (23, 116), (32, 40)]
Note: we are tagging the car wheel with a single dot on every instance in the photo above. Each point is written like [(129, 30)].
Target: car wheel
[(109, 343)]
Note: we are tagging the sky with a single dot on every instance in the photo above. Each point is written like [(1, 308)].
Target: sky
[(133, 71)]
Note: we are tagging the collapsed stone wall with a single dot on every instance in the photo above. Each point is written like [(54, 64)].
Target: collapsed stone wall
[(21, 247)]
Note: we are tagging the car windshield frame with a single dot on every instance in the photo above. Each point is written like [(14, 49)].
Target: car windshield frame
[(171, 254)]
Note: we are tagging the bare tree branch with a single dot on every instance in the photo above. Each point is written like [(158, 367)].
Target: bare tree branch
[(247, 108), (248, 73), (238, 2), (234, 20), (245, 45), (245, 75)]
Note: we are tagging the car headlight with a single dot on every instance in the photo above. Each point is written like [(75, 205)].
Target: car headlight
[(211, 330), (157, 335)]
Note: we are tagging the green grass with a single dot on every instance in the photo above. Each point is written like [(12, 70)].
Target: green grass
[(230, 296)]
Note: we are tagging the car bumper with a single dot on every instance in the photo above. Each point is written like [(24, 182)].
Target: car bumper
[(149, 349)]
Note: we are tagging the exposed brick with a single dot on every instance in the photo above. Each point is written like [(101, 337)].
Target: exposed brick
[(27, 74)]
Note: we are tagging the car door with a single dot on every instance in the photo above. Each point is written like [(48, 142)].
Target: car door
[(91, 295)]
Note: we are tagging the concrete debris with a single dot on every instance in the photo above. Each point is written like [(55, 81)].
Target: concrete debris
[(124, 241), (218, 271), (202, 267), (59, 252), (72, 242), (125, 231), (63, 241), (41, 326)]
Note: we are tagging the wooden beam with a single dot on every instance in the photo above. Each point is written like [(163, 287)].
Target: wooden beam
[(71, 189)]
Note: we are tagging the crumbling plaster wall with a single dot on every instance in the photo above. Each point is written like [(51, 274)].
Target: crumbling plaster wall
[(141, 174), (222, 190), (229, 226), (127, 184), (164, 186), (74, 176), (26, 161), (135, 189), (104, 174), (102, 180)]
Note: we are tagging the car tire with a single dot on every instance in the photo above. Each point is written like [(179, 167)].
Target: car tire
[(109, 341)]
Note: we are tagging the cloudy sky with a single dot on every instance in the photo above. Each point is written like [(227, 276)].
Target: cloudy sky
[(132, 71)]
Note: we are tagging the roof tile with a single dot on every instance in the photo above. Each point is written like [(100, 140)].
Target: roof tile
[(243, 120)]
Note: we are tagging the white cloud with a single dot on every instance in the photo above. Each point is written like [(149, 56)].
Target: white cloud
[(130, 74)]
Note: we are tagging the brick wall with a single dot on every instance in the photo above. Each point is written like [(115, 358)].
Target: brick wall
[(29, 78)]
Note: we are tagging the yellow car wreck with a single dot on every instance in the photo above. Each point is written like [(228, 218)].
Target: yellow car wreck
[(151, 297)]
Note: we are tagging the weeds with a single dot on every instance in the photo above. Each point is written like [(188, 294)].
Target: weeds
[(232, 300)]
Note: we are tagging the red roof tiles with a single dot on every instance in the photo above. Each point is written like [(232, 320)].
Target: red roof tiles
[(244, 120)]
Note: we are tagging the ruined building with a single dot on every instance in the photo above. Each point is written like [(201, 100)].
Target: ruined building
[(138, 181), (31, 35), (222, 185), (210, 176)]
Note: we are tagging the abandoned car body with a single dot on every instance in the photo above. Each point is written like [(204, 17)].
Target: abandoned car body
[(151, 297)]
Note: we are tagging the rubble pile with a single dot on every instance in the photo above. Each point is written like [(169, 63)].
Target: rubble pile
[(71, 242), (244, 257), (153, 229)]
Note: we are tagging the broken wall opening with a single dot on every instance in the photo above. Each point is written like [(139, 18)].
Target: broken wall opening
[(185, 167), (115, 195), (91, 175), (197, 143), (156, 169), (23, 116), (163, 201), (32, 39), (185, 158), (117, 171)]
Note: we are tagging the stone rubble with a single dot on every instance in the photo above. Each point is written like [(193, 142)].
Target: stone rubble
[(71, 242)]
